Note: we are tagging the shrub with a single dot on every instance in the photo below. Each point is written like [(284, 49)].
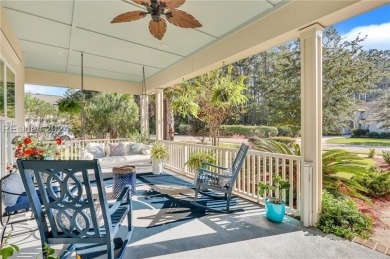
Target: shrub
[(386, 156), (185, 129), (371, 153), (377, 184), (286, 140), (341, 217), (285, 131), (358, 133), (372, 134), (248, 131), (384, 135), (332, 132)]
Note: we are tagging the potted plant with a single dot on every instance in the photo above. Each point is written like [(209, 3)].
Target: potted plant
[(275, 206), (196, 159), (158, 153)]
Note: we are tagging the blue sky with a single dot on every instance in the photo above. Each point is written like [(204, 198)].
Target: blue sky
[(375, 24), (377, 16), (48, 90)]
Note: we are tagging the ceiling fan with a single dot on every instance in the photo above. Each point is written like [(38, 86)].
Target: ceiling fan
[(157, 9)]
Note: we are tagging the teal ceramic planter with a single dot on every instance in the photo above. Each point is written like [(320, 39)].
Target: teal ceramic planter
[(275, 212)]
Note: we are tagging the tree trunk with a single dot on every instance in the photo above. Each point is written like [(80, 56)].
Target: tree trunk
[(169, 118)]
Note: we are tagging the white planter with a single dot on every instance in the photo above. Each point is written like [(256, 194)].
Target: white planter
[(157, 166)]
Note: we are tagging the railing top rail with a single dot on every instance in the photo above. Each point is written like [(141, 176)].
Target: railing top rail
[(277, 155), (250, 152), (87, 140)]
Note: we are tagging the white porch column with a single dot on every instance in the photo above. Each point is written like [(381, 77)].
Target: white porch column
[(159, 114), (311, 122), (144, 101)]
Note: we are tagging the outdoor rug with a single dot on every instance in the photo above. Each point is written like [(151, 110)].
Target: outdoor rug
[(175, 197), (167, 220)]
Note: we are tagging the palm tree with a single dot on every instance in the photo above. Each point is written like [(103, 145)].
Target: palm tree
[(338, 167), (212, 98)]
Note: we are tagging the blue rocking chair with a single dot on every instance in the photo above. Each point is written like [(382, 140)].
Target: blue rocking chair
[(219, 178), (73, 213)]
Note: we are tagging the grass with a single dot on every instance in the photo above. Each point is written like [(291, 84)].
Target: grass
[(361, 141)]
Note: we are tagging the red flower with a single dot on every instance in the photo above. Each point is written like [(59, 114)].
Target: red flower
[(27, 152), (58, 153), (59, 141), (41, 151), (20, 146), (34, 151), (8, 168), (27, 141), (14, 166)]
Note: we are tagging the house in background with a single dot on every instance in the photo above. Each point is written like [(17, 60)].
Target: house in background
[(52, 99), (367, 117)]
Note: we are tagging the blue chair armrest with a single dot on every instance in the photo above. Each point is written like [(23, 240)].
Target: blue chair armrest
[(212, 165), (125, 193), (204, 171)]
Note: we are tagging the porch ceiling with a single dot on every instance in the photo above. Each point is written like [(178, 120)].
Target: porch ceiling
[(53, 34)]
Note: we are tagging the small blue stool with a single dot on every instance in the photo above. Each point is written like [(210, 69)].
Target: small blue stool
[(122, 176)]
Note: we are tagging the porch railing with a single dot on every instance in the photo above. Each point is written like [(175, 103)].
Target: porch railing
[(258, 166), (71, 149)]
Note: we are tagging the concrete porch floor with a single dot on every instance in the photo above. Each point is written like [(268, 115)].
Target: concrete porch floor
[(244, 234)]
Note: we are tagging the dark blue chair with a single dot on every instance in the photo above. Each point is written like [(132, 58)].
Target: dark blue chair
[(70, 214), (220, 179)]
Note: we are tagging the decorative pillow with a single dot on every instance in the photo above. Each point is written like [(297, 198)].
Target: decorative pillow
[(117, 149), (96, 149), (223, 181), (127, 146), (145, 150), (85, 155), (136, 149), (12, 184)]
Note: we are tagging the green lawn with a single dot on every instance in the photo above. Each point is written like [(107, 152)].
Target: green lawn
[(360, 141)]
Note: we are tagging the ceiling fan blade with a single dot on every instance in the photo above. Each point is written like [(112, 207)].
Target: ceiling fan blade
[(182, 19), (171, 4), (129, 16), (142, 2), (158, 28)]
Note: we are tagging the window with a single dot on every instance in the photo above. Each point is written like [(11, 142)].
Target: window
[(10, 94)]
